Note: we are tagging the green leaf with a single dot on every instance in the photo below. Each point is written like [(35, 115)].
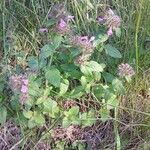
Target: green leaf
[(104, 112), (118, 86), (51, 22), (31, 124), (39, 118), (86, 70), (97, 76), (53, 77), (71, 70), (51, 107), (88, 118), (73, 111), (92, 66), (112, 51), (46, 51), (63, 87), (2, 83), (42, 62), (108, 77), (1, 98), (33, 62), (15, 105), (74, 52), (98, 91), (47, 91), (50, 104), (76, 121), (112, 102), (83, 81), (77, 92), (57, 41), (101, 39), (40, 100), (88, 88), (28, 114), (118, 32), (3, 115), (66, 122), (34, 89)]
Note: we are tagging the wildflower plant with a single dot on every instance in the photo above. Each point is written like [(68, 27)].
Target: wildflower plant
[(65, 85)]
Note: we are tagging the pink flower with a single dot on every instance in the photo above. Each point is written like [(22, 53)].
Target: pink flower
[(62, 23), (70, 18), (84, 38), (25, 81), (111, 12), (43, 30), (110, 32), (24, 89), (101, 19)]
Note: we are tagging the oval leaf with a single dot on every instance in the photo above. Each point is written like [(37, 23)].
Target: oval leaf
[(53, 77), (3, 115), (112, 51), (46, 51)]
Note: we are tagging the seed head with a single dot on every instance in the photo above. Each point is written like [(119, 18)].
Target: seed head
[(125, 70)]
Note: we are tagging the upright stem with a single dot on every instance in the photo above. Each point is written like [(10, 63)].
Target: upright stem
[(117, 137), (4, 30), (136, 36)]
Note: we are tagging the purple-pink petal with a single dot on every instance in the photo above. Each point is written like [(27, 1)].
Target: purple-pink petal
[(62, 23), (84, 38), (101, 19), (70, 18), (43, 30), (24, 89), (25, 81), (110, 32), (111, 12)]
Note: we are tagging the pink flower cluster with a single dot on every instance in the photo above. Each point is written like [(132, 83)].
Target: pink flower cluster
[(63, 25), (83, 41), (125, 70), (19, 84), (111, 20), (86, 44)]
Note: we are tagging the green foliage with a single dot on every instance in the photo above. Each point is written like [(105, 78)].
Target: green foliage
[(3, 114), (53, 77), (33, 62), (112, 51), (46, 51), (59, 79), (71, 117)]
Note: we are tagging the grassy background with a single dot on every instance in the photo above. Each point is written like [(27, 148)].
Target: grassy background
[(21, 19)]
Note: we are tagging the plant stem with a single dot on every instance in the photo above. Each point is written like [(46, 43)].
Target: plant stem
[(117, 138), (4, 29), (136, 37)]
